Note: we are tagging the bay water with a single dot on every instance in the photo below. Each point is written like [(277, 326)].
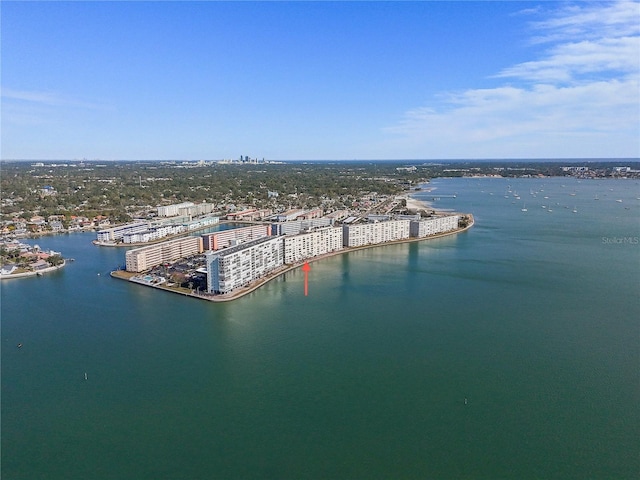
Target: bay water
[(508, 351)]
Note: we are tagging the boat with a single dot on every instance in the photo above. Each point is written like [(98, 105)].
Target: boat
[(575, 210), (619, 201), (524, 208)]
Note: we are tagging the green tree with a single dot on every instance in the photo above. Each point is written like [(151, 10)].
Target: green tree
[(55, 260)]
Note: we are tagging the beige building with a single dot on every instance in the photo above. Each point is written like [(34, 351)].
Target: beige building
[(145, 258)]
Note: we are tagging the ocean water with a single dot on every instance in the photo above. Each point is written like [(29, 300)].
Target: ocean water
[(508, 351)]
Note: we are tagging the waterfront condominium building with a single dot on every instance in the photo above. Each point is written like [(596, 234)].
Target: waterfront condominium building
[(308, 245), (431, 226), (299, 226), (117, 233), (144, 258), (371, 233), (234, 236), (236, 266), (154, 233)]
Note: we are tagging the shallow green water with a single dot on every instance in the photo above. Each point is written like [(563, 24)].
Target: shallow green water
[(532, 317)]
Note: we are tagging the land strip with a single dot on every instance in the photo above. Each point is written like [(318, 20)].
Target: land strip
[(242, 291)]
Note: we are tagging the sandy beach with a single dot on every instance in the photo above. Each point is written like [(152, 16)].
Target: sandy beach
[(414, 204)]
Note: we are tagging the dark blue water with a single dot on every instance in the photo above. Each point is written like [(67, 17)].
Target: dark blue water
[(532, 317)]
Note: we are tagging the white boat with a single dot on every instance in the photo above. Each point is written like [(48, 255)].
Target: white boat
[(524, 208)]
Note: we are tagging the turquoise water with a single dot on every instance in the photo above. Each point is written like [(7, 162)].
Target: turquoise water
[(532, 317)]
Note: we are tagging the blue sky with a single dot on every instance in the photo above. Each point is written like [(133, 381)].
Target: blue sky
[(320, 80)]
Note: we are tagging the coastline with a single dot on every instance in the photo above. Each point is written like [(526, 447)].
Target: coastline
[(34, 273), (242, 291)]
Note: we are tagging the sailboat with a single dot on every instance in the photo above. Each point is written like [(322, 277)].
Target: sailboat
[(524, 208), (575, 210)]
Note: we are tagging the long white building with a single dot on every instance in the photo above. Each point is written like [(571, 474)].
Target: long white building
[(117, 233), (173, 210), (308, 245), (237, 266), (144, 258), (154, 233), (431, 226), (357, 235)]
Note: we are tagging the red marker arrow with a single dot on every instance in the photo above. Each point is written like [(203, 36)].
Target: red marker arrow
[(306, 269)]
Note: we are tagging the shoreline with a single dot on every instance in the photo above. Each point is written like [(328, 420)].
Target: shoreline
[(34, 273), (242, 291)]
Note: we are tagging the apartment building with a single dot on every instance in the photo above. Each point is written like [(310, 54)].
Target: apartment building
[(309, 214), (289, 215), (308, 245), (431, 226), (154, 233), (237, 266), (234, 236), (250, 215), (299, 226), (357, 235), (196, 210), (117, 233), (173, 210), (144, 258)]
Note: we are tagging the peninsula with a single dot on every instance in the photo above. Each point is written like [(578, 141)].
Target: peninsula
[(155, 280), (227, 264), (19, 260)]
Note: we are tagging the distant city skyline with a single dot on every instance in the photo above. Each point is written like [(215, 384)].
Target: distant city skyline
[(320, 80)]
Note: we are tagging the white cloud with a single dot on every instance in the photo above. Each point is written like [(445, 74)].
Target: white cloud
[(45, 98), (581, 98), (568, 62), (590, 20)]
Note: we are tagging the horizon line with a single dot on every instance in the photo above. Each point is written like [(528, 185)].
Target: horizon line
[(504, 159)]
